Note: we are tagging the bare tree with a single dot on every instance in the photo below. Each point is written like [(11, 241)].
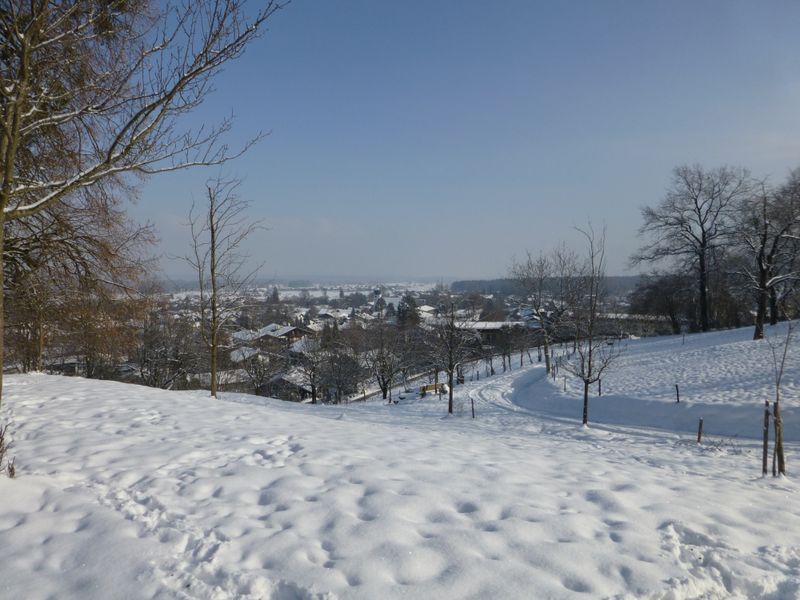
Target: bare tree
[(450, 343), (82, 247), (99, 326), (92, 90), (219, 260), (261, 367), (311, 364), (767, 234), (662, 294), (342, 370), (593, 356), (168, 348), (692, 220), (567, 293), (533, 275), (779, 350), (384, 354), (549, 282)]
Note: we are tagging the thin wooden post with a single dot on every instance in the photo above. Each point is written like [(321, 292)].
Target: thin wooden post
[(677, 394), (599, 387), (765, 453), (700, 431), (473, 407)]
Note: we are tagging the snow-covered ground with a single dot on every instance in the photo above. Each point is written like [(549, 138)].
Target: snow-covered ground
[(129, 492)]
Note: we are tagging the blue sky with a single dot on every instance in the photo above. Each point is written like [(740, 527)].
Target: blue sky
[(443, 138)]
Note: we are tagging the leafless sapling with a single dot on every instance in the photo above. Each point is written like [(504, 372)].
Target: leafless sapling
[(593, 356), (220, 262)]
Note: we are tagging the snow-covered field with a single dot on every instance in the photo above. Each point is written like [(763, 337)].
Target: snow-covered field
[(129, 492)]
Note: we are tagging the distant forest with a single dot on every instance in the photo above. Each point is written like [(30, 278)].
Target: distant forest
[(618, 285)]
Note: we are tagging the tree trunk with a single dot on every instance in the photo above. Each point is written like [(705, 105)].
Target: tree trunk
[(773, 306), (761, 311), (313, 394), (765, 451), (674, 320), (779, 439), (40, 343), (2, 298), (212, 227), (547, 360), (585, 402), (450, 392), (703, 282)]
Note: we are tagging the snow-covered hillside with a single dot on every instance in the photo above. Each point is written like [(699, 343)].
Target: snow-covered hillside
[(723, 377), (129, 492)]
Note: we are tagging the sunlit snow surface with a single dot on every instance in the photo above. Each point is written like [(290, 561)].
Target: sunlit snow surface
[(128, 492)]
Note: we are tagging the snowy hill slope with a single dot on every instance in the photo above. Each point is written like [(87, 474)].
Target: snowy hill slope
[(724, 377), (129, 492)]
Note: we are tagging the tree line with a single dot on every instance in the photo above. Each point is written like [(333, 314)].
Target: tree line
[(729, 244)]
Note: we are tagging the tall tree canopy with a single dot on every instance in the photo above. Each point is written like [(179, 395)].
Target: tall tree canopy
[(693, 221), (92, 91)]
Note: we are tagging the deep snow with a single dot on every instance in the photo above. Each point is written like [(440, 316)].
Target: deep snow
[(128, 492)]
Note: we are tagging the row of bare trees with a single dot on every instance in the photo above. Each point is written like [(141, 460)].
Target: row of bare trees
[(71, 278), (731, 243), (567, 293), (387, 354)]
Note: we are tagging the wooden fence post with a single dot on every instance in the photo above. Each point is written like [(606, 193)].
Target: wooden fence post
[(473, 407), (677, 394), (700, 431)]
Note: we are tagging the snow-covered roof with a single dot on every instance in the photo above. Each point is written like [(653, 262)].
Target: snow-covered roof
[(300, 345), (334, 313), (294, 376), (225, 377), (243, 353), (633, 317), (283, 331), (490, 325), (272, 330)]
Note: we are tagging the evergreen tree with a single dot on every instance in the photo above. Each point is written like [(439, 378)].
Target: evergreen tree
[(407, 313)]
